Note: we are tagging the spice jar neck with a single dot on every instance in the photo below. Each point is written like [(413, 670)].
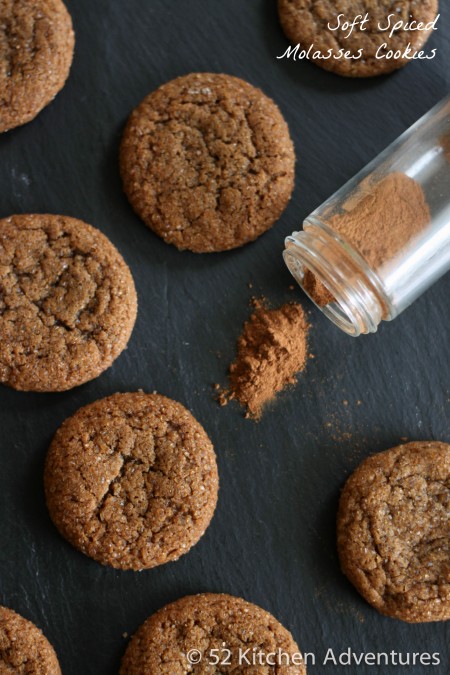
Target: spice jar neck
[(354, 300)]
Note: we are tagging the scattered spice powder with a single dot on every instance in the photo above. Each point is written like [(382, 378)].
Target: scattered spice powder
[(271, 351), (378, 222)]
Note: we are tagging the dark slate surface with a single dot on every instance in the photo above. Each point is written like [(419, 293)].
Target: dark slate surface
[(272, 540)]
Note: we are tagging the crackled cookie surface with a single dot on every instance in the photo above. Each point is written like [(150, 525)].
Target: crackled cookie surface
[(67, 302), (24, 650), (131, 480), (207, 626), (309, 23), (36, 51), (394, 531), (207, 162)]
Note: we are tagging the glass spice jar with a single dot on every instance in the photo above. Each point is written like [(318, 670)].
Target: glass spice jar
[(381, 240)]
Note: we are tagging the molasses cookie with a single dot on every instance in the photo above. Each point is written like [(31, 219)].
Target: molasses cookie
[(131, 480), (207, 162), (393, 531), (367, 49), (23, 648), (67, 302), (36, 51), (212, 633)]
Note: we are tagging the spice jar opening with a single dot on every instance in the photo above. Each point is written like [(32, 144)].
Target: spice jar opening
[(354, 307), (332, 308)]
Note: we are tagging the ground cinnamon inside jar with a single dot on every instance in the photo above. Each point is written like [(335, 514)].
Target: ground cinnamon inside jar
[(378, 222), (445, 142), (316, 289), (271, 351)]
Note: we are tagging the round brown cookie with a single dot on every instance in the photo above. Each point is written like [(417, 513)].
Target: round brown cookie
[(393, 531), (306, 22), (36, 51), (24, 650), (131, 480), (67, 302), (209, 627), (207, 162)]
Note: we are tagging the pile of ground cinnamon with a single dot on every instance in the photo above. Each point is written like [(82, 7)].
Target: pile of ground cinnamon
[(378, 222), (271, 351)]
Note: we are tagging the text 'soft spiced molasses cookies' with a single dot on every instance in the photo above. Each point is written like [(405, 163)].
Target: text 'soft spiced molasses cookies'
[(374, 46), (393, 531), (131, 480), (67, 302), (207, 162), (36, 51), (24, 650), (188, 635)]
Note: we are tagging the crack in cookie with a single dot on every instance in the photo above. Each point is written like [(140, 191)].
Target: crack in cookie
[(207, 162), (24, 648), (36, 51), (394, 531), (67, 302), (131, 480), (209, 625)]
